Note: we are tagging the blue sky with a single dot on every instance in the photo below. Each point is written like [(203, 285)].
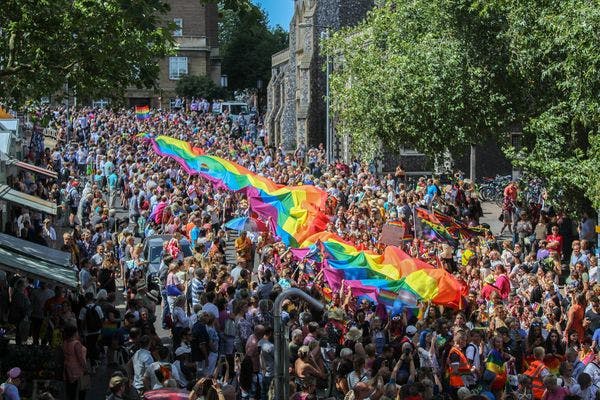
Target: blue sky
[(279, 11)]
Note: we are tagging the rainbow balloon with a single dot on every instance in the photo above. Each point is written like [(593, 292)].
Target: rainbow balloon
[(293, 212)]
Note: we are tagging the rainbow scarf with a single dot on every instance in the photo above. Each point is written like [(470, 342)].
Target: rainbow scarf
[(142, 112), (292, 212)]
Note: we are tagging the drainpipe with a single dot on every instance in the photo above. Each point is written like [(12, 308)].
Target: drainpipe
[(282, 374)]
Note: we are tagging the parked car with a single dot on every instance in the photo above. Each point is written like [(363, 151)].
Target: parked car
[(154, 247)]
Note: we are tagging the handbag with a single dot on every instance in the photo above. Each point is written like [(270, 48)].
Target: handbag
[(85, 382), (173, 290), (501, 217)]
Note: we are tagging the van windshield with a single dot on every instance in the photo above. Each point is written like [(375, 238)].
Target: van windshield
[(237, 109)]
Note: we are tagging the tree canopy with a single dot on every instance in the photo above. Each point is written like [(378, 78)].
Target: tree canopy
[(98, 47), (437, 75), (247, 44), (190, 86)]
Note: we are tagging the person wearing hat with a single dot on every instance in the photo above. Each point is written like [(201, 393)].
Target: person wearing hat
[(336, 327), (117, 386), (353, 337), (10, 388), (489, 287), (180, 365)]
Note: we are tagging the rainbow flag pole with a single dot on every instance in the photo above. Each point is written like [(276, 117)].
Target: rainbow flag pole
[(142, 112)]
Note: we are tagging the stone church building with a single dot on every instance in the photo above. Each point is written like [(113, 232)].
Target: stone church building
[(296, 93)]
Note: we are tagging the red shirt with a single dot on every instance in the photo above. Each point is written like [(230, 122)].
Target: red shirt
[(510, 192), (576, 313), (556, 238)]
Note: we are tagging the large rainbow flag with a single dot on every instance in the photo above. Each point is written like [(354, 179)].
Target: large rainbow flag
[(294, 213), (377, 275)]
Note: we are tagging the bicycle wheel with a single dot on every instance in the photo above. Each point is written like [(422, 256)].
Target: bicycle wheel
[(486, 193), (499, 198)]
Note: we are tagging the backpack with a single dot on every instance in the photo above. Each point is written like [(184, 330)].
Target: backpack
[(200, 340), (73, 197), (93, 323)]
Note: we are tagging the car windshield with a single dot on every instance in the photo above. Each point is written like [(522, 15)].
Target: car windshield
[(155, 253), (237, 109), (186, 248)]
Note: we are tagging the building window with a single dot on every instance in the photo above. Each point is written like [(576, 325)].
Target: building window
[(100, 103), (178, 66), (177, 32)]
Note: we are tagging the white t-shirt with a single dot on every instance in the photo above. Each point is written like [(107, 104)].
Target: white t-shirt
[(472, 353), (588, 393), (151, 374), (142, 359)]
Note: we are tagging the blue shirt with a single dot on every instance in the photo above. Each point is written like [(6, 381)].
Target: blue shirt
[(596, 336), (194, 234)]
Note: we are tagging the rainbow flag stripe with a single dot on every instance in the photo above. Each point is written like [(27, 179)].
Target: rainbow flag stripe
[(495, 363), (142, 112), (390, 276), (292, 212)]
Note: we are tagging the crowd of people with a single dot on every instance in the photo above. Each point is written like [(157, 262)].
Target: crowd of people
[(530, 328)]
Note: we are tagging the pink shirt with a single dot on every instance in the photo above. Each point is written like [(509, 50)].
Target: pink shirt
[(74, 356), (503, 285), (559, 394)]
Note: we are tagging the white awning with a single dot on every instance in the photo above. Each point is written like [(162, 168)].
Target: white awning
[(26, 200)]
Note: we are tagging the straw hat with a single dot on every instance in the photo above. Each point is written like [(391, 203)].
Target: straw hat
[(337, 314), (354, 334)]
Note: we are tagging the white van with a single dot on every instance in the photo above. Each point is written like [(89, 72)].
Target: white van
[(234, 109)]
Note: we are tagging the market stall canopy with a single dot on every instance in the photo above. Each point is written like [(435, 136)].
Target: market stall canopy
[(36, 261), (26, 200), (33, 168)]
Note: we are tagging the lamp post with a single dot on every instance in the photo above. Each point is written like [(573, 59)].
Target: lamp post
[(259, 86), (282, 375)]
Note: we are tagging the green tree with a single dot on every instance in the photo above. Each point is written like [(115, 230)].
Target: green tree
[(191, 86), (247, 44), (554, 54), (437, 75), (410, 75), (98, 47)]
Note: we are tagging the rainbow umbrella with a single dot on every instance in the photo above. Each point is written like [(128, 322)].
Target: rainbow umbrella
[(247, 224)]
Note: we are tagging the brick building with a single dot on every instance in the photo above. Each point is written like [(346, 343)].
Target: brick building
[(197, 52)]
